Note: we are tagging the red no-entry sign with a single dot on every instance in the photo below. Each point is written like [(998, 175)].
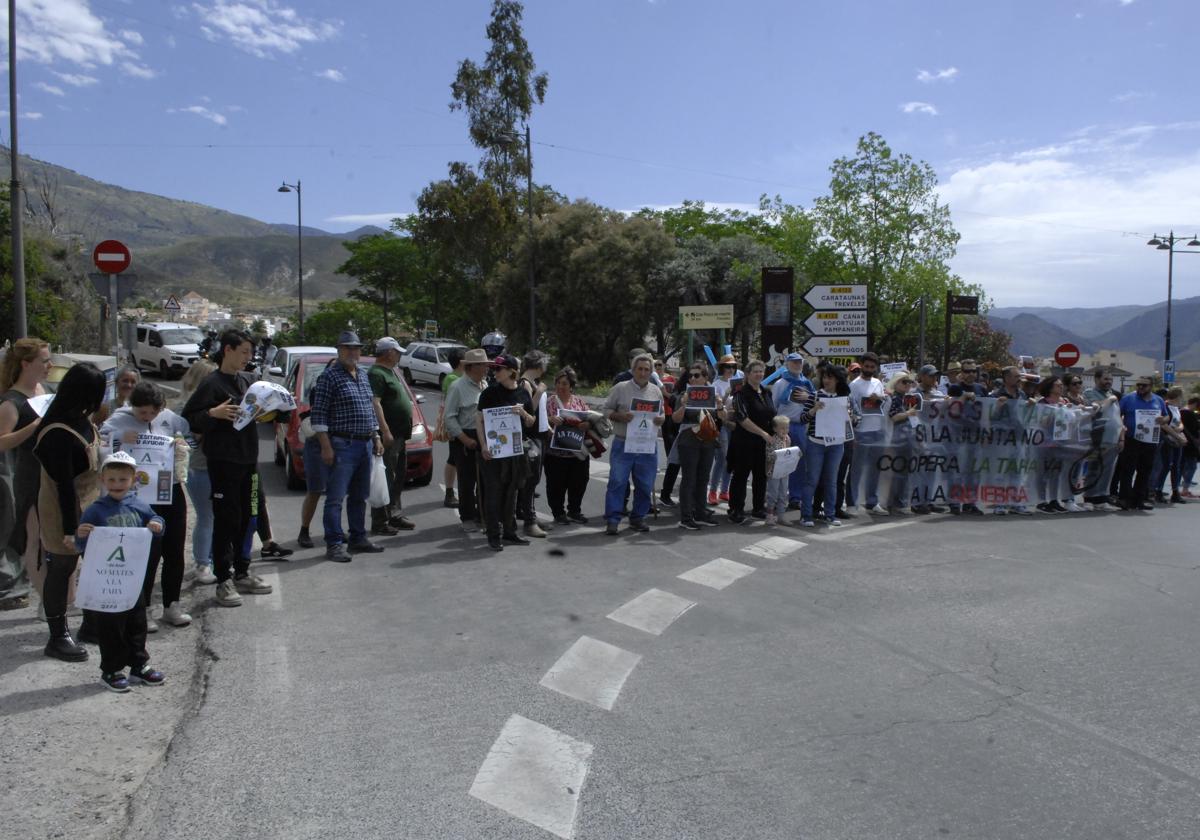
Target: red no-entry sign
[(1066, 355), (111, 257)]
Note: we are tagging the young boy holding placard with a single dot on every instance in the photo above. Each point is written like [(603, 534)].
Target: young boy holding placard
[(122, 634)]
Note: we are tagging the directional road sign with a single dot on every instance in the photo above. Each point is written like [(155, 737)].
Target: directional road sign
[(837, 297), (1169, 372), (853, 345), (111, 257), (714, 317), (1067, 355), (837, 323)]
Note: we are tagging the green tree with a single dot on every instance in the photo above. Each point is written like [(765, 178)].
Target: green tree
[(883, 220), (332, 317), (54, 299), (391, 273), (595, 270), (498, 95)]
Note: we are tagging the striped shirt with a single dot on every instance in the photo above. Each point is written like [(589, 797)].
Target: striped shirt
[(342, 404)]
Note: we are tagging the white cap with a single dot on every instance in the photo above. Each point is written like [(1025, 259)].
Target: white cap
[(122, 458), (386, 343)]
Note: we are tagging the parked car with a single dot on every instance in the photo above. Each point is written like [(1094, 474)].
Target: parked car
[(166, 348), (286, 359), (425, 361), (289, 449)]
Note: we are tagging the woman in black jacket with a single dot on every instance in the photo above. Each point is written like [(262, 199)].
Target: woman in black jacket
[(68, 448), (753, 412)]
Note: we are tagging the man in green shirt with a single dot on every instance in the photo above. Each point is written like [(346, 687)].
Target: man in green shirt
[(392, 398)]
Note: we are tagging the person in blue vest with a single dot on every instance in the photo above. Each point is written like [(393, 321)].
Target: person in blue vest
[(1144, 414), (792, 392)]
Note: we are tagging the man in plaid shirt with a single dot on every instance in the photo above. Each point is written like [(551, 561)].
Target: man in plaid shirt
[(347, 427)]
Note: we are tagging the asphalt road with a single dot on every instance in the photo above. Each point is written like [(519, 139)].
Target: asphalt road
[(972, 678)]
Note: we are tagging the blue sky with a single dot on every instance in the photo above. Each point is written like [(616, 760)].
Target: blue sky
[(1063, 133)]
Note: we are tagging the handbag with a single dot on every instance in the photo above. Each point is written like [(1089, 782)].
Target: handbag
[(707, 430)]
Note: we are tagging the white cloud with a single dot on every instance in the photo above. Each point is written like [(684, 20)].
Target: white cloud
[(52, 31), (53, 90), (202, 112), (25, 115), (332, 75), (945, 75), (1127, 2), (138, 71), (1066, 224), (383, 220), (132, 37), (919, 108), (76, 79), (1131, 96), (262, 28)]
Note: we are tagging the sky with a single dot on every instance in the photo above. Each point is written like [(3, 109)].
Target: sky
[(1063, 134)]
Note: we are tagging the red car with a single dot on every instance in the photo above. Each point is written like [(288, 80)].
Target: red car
[(289, 451)]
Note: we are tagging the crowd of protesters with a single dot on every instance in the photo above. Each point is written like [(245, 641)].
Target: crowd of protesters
[(65, 478)]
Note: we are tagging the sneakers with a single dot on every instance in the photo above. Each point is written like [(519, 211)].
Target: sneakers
[(807, 523), (338, 553), (707, 519), (878, 510), (1020, 510), (578, 518), (450, 501), (304, 540), (175, 616), (146, 676), (737, 518), (689, 525), (666, 501), (494, 544), (115, 682), (204, 575), (638, 525), (469, 526), (274, 551), (612, 529), (561, 519), (1073, 507), (834, 523), (532, 529), (772, 519), (723, 496), (712, 497), (365, 547), (151, 625), (227, 594), (252, 585)]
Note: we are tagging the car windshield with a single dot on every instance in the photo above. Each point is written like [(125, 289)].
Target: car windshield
[(181, 335)]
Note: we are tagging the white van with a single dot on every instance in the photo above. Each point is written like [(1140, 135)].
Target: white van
[(166, 348)]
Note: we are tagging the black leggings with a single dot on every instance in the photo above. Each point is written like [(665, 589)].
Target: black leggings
[(231, 515), (59, 569), (565, 478), (170, 549)]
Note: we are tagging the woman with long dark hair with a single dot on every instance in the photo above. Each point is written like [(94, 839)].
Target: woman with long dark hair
[(754, 411), (68, 448), (25, 367)]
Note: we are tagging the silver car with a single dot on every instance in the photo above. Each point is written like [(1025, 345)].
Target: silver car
[(426, 361)]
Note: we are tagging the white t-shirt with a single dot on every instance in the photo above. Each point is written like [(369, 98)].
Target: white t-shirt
[(861, 388)]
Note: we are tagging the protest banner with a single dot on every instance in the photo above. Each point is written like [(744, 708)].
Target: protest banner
[(702, 397), (832, 420), (154, 476), (641, 435), (502, 429), (114, 567)]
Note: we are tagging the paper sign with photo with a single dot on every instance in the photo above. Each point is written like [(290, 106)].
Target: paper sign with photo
[(502, 430), (1145, 425), (154, 476)]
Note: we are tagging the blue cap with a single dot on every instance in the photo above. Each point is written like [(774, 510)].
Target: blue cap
[(793, 357)]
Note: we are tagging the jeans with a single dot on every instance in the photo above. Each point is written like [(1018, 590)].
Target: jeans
[(777, 495), (621, 466), (695, 464), (823, 462), (199, 487), (719, 479), (799, 476), (349, 481), (231, 515), (1168, 463), (864, 472)]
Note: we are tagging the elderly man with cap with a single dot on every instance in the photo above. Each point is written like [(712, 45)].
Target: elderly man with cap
[(393, 403), (459, 416), (792, 393), (346, 421)]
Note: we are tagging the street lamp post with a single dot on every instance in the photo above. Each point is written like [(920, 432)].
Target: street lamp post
[(286, 187), (532, 244), (1168, 244)]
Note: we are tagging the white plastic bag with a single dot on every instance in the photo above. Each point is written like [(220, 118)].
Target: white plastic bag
[(379, 496)]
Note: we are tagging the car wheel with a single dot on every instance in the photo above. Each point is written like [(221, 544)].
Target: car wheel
[(408, 377), (163, 370), (294, 481)]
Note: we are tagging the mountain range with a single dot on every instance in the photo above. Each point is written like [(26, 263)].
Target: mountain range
[(181, 246)]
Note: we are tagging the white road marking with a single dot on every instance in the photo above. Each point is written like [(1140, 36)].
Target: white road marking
[(653, 611), (535, 773), (773, 548), (862, 530), (273, 601), (272, 668), (717, 574), (598, 471), (592, 671)]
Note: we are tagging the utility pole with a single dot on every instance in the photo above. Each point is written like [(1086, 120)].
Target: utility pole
[(532, 244), (20, 324)]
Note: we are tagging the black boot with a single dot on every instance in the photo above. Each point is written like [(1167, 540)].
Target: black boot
[(61, 645)]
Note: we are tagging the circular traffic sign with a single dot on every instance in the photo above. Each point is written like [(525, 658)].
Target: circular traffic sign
[(1066, 355), (111, 257)]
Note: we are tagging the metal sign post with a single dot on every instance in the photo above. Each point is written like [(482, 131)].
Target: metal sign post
[(111, 258), (957, 305)]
